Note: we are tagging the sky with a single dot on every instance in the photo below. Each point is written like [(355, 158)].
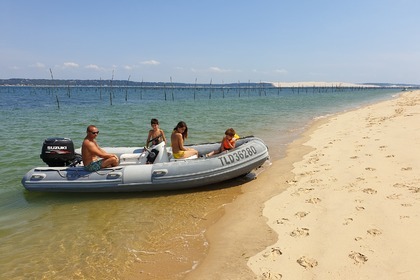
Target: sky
[(212, 41)]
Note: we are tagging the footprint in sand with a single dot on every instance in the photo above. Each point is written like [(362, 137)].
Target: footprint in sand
[(347, 221), (354, 157), (390, 156), (370, 191), (370, 169), (400, 185), (282, 221), (274, 253), (291, 182), (406, 205), (302, 190), (374, 231), (358, 258), (307, 262), (270, 275), (300, 232), (398, 111), (414, 189), (358, 238), (315, 181), (360, 208), (394, 196), (301, 214), (313, 200), (406, 168)]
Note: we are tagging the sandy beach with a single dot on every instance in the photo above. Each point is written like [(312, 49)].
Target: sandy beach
[(343, 204)]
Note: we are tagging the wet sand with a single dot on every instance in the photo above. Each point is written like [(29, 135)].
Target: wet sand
[(342, 204)]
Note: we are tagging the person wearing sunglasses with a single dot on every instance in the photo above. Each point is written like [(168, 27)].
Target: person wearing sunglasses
[(94, 157)]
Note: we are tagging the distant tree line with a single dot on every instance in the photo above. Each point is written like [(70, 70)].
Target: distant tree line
[(117, 83)]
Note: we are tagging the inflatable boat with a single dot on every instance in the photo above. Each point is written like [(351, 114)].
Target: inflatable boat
[(143, 169)]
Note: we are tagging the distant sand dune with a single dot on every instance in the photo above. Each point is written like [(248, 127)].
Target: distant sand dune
[(320, 84)]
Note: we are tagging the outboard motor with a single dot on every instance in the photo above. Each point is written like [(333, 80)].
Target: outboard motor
[(58, 152)]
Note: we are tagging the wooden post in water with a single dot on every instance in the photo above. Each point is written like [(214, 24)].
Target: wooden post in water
[(111, 89), (195, 87), (53, 89), (164, 89), (172, 89), (141, 89), (126, 88), (100, 88), (211, 88), (223, 88)]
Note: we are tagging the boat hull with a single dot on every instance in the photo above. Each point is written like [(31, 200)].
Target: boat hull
[(250, 154)]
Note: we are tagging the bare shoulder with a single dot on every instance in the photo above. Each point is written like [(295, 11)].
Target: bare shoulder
[(89, 144)]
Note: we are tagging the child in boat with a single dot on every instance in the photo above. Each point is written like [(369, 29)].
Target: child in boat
[(228, 142), (156, 135)]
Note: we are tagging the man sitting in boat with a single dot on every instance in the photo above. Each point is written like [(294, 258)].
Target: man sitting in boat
[(228, 142), (94, 157), (178, 136)]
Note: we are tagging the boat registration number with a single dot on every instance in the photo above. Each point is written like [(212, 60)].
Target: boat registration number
[(238, 155)]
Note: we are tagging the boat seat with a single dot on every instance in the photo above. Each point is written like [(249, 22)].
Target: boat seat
[(126, 159), (177, 159)]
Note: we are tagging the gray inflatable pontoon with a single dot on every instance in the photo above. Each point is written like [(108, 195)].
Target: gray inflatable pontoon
[(135, 173)]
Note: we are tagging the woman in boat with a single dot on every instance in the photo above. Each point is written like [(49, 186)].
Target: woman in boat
[(155, 134), (179, 134)]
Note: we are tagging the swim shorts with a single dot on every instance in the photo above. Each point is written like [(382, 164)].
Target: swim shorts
[(180, 154), (94, 166)]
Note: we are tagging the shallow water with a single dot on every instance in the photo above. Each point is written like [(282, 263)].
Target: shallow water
[(122, 236)]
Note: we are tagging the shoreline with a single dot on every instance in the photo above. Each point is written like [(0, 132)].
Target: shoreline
[(242, 231), (242, 235)]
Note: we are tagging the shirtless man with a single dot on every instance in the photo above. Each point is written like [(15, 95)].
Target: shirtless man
[(177, 142), (95, 158)]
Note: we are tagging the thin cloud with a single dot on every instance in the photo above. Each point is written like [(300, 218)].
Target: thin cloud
[(70, 65), (95, 67), (281, 71), (38, 65), (218, 70), (150, 62), (129, 67)]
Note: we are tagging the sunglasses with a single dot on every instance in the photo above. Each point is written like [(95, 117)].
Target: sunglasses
[(95, 132)]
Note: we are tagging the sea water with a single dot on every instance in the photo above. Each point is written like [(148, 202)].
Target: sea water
[(158, 235)]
